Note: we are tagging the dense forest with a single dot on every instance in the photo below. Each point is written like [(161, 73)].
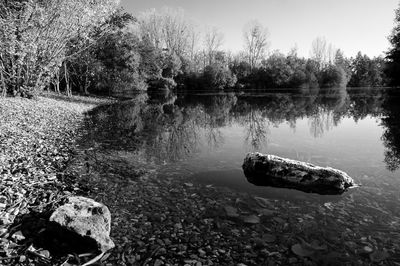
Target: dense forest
[(104, 50)]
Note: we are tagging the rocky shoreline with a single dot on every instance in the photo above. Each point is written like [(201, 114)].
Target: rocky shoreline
[(37, 141), (159, 219)]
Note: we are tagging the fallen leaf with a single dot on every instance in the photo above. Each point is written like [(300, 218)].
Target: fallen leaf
[(279, 220), (301, 251), (379, 255), (3, 202), (317, 246), (231, 211), (265, 212), (251, 219), (18, 236), (265, 203), (44, 253), (367, 249), (269, 238)]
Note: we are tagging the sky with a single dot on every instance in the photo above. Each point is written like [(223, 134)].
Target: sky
[(351, 25)]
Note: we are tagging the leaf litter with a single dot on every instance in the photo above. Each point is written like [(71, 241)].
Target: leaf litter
[(37, 140)]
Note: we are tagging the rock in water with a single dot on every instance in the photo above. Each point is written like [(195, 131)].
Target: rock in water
[(87, 218), (271, 170)]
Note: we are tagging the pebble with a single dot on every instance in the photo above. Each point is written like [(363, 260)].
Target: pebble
[(18, 236), (22, 259), (251, 219), (158, 262), (259, 243), (178, 226), (201, 252), (44, 253), (231, 211), (162, 251), (3, 231), (367, 249), (3, 202)]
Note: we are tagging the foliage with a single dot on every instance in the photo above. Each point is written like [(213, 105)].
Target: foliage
[(218, 76), (241, 69), (393, 55), (333, 76), (120, 62), (367, 72), (111, 64), (110, 52), (34, 37), (277, 71), (391, 135)]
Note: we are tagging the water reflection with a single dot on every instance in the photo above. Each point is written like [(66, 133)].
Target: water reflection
[(391, 135), (167, 127)]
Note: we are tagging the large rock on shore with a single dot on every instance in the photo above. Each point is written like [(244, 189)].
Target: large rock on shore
[(87, 218), (271, 170)]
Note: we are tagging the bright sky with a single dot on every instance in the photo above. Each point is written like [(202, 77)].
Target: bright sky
[(351, 25)]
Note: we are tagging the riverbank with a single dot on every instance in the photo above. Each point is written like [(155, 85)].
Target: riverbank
[(163, 215), (37, 140), (48, 151)]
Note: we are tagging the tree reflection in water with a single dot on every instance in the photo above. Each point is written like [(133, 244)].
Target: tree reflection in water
[(391, 135), (329, 107), (257, 128), (169, 127)]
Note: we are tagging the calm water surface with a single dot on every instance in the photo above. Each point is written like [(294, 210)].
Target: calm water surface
[(211, 134), (205, 137)]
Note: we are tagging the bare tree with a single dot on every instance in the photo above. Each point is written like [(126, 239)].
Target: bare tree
[(213, 40), (193, 43), (175, 31), (151, 27), (322, 52), (168, 29), (256, 42), (318, 51), (331, 53)]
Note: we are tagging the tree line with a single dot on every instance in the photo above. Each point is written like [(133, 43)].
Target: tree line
[(96, 47)]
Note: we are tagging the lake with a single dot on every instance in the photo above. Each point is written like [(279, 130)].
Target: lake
[(203, 138)]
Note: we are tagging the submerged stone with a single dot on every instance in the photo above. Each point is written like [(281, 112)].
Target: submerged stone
[(271, 170)]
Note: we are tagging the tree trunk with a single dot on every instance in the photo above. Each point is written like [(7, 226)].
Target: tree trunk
[(38, 80), (67, 85), (57, 82), (3, 84), (271, 170), (87, 82)]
